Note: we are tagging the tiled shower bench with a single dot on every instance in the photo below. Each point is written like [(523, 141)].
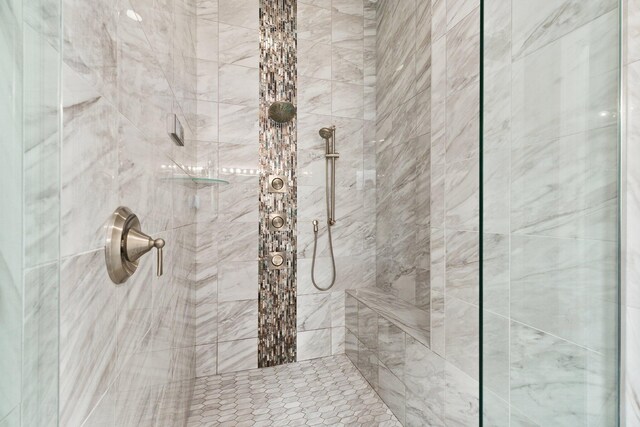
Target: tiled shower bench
[(387, 339)]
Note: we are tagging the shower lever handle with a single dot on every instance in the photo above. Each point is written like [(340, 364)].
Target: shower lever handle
[(126, 244), (136, 244)]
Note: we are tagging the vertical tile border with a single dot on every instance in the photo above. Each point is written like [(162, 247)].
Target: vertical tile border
[(278, 156)]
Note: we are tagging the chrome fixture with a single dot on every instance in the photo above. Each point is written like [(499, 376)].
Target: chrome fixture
[(282, 111), (329, 135), (277, 184), (125, 245)]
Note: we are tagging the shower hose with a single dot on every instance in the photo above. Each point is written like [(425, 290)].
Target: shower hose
[(329, 225)]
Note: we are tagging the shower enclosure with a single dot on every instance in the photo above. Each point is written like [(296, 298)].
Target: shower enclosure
[(474, 263), (550, 223)]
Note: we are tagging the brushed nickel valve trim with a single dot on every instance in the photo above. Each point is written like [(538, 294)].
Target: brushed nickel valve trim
[(277, 184), (277, 221), (126, 244), (277, 261)]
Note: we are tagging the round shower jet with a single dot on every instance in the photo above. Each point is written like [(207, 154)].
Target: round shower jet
[(329, 135)]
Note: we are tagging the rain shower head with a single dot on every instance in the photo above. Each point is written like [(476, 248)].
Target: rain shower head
[(326, 133)]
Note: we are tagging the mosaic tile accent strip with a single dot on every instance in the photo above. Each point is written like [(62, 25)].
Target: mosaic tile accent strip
[(278, 156), (328, 391)]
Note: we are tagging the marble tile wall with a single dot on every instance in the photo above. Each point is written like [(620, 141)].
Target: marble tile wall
[(336, 86), (403, 150), (127, 352), (427, 149), (227, 217), (630, 387), (551, 171)]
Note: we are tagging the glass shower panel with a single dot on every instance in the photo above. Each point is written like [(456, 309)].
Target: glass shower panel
[(550, 212), (29, 211)]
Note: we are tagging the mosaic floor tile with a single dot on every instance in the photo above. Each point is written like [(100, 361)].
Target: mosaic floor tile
[(328, 391)]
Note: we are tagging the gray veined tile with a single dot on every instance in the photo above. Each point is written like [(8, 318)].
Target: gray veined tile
[(314, 23), (548, 21), (207, 36), (314, 344), (237, 355), (463, 47), (425, 385), (463, 265), (243, 14), (238, 281), (548, 376), (461, 398), (391, 347), (238, 85), (87, 341), (462, 335), (392, 391), (312, 60), (347, 31), (237, 320), (314, 312), (238, 46)]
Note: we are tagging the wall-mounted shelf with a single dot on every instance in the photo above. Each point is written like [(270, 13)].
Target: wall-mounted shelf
[(201, 181)]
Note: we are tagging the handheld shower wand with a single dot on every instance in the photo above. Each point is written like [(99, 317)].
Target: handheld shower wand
[(329, 135)]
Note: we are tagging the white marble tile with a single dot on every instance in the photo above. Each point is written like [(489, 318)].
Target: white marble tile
[(462, 190), (548, 376), (237, 320), (314, 312), (207, 80), (238, 124), (238, 46), (347, 100), (391, 347), (238, 281), (338, 340), (314, 23), (462, 336), (237, 355), (347, 31), (461, 398), (566, 100), (314, 344), (238, 85), (87, 338), (425, 385), (312, 60), (562, 286), (463, 266), (338, 305), (314, 95), (207, 9), (549, 21), (392, 391), (463, 50), (459, 9), (462, 127), (89, 166), (495, 282), (207, 36), (347, 65), (243, 14), (238, 203)]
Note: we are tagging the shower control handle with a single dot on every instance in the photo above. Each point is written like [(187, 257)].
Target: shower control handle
[(126, 244), (136, 244)]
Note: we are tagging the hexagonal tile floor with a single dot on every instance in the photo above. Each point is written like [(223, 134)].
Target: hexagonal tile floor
[(327, 391)]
